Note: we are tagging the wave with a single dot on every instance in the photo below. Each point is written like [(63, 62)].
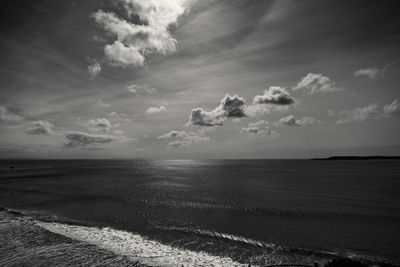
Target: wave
[(150, 252), (137, 247), (279, 252), (230, 237)]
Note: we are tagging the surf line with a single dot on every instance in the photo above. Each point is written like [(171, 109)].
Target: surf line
[(137, 247)]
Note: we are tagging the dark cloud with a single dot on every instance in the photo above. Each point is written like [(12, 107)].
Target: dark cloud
[(314, 83), (275, 95), (183, 138), (78, 139), (40, 128), (233, 106), (229, 107)]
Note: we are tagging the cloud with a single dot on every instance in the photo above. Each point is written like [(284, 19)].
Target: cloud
[(372, 111), (40, 128), (317, 83), (292, 121), (94, 70), (140, 89), (275, 95), (184, 139), (150, 35), (77, 139), (360, 114), (258, 129), (8, 116), (371, 73), (392, 109), (119, 116), (233, 106), (200, 117), (101, 103), (122, 55), (153, 110), (99, 125), (229, 107)]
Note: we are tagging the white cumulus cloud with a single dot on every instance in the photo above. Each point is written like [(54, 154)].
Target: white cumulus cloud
[(153, 110), (135, 41), (314, 83)]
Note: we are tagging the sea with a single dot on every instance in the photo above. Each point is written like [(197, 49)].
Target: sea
[(198, 212)]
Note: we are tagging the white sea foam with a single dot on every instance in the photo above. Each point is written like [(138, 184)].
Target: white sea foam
[(226, 236), (136, 247)]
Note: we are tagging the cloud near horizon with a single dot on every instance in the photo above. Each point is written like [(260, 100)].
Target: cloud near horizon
[(372, 111), (40, 128), (184, 139), (81, 139), (258, 129)]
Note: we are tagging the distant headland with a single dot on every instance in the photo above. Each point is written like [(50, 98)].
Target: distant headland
[(358, 158)]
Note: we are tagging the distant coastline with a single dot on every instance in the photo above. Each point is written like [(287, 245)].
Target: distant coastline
[(358, 158)]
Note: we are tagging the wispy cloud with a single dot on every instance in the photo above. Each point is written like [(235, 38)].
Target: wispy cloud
[(372, 111), (80, 139), (103, 104), (9, 117), (258, 129), (94, 70), (77, 139), (292, 121), (137, 90), (371, 73), (40, 128), (392, 109), (183, 138)]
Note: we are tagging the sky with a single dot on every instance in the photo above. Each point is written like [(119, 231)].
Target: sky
[(199, 79)]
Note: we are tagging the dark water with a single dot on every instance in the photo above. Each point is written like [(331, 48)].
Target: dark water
[(203, 212)]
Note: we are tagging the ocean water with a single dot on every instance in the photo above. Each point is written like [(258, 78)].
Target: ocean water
[(198, 212)]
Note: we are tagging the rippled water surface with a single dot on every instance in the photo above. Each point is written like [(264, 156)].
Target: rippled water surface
[(202, 212)]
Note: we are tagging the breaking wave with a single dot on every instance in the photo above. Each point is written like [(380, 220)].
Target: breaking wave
[(137, 247)]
